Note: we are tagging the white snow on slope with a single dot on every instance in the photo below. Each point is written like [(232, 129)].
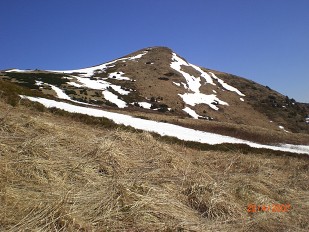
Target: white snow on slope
[(39, 83), (114, 99), (164, 128), (19, 70), (227, 86), (93, 84), (75, 84), (193, 99), (192, 82), (175, 83), (145, 105), (88, 72), (205, 75), (100, 85), (282, 128), (137, 56), (191, 112), (60, 93), (119, 89), (118, 76)]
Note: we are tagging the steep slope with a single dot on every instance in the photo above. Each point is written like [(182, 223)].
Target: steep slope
[(159, 80)]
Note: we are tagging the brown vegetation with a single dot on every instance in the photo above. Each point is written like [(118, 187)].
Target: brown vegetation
[(152, 81), (59, 174)]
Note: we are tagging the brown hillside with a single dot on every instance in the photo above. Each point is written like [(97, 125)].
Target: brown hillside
[(152, 80), (58, 174)]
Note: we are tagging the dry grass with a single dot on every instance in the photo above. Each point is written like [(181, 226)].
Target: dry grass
[(57, 174), (247, 132)]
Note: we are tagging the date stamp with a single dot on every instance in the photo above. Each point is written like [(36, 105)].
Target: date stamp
[(274, 208)]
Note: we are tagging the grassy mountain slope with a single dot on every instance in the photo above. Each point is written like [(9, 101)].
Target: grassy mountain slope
[(151, 79), (60, 174), (275, 106)]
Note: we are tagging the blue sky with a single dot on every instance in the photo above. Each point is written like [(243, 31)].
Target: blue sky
[(263, 40)]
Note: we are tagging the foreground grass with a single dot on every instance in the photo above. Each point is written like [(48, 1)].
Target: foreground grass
[(58, 174)]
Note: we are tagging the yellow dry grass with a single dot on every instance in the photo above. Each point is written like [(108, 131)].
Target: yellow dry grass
[(247, 132), (62, 175)]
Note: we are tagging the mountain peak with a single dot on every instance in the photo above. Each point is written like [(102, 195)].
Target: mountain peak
[(156, 79)]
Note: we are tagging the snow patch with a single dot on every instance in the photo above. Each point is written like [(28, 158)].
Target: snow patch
[(282, 128), (205, 75), (88, 72), (19, 70), (145, 105), (193, 83), (114, 99), (75, 84), (100, 85), (165, 128), (39, 83), (242, 99), (118, 76), (137, 56), (211, 100), (119, 89), (175, 83), (191, 112), (60, 93), (184, 85), (227, 86)]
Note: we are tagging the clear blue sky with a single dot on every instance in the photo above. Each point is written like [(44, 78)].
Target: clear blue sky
[(263, 40)]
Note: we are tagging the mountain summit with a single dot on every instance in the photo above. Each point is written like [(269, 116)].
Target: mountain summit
[(158, 80)]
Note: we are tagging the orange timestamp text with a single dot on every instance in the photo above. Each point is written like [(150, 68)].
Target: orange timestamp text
[(275, 208)]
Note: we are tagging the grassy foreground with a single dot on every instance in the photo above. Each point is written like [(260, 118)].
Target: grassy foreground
[(58, 174)]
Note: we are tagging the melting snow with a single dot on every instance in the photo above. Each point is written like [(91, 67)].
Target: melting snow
[(39, 82), (241, 99), (19, 70), (282, 128), (118, 76), (145, 105), (137, 56), (74, 84), (88, 72), (191, 112), (119, 89), (60, 93), (175, 83), (200, 98), (227, 86), (100, 85), (205, 75), (192, 82), (184, 85), (114, 99), (165, 128), (93, 84)]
